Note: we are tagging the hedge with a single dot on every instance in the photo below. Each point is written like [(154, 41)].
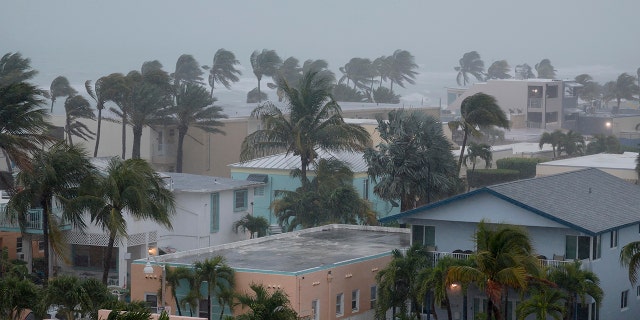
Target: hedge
[(526, 166), (486, 177)]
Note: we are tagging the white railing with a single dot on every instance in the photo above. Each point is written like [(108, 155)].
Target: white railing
[(464, 256), (33, 220)]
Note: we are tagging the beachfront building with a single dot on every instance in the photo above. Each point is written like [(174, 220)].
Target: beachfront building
[(588, 215), (327, 272), (274, 171), (622, 165), (542, 103)]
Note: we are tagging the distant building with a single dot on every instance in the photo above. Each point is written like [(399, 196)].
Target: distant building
[(327, 272), (622, 166)]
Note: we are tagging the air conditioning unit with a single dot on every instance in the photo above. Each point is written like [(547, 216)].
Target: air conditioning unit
[(21, 256)]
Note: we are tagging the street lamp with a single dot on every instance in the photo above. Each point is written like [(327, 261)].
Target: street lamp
[(148, 270)]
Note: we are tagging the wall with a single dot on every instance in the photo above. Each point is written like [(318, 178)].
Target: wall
[(547, 170)]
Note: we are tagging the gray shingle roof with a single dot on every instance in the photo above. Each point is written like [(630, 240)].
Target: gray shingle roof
[(283, 161), (186, 182)]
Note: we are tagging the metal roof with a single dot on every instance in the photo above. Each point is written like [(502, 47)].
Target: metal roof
[(588, 200), (284, 161), (186, 182)]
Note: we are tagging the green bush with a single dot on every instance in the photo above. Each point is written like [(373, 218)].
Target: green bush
[(526, 166), (486, 177)]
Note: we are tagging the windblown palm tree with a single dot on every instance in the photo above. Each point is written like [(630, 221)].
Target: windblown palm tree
[(470, 64), (23, 123), (630, 254), (193, 108), (17, 295), (577, 284), (60, 87), (478, 111), (359, 71), (499, 70), (554, 138), (54, 182), (187, 70), (265, 63), (545, 69), (624, 87), (504, 259), (218, 276), (265, 305), (77, 107), (401, 66), (223, 70), (478, 151), (314, 121), (128, 187), (572, 144), (173, 278), (98, 94), (524, 71)]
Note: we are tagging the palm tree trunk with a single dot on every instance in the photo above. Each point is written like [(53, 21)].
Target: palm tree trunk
[(177, 304), (473, 168), (304, 163), (433, 309), (259, 95), (8, 162), (137, 136), (464, 143), (209, 301), (124, 135), (95, 150), (45, 239), (181, 134), (391, 86), (107, 257), (448, 303)]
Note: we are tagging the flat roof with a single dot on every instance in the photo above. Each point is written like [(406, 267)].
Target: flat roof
[(302, 251), (626, 160)]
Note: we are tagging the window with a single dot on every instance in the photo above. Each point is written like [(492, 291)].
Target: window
[(19, 245), (577, 247), (315, 309), (152, 302), (638, 292), (374, 297), (215, 212), (340, 304), (624, 299), (258, 191), (552, 91), (40, 245), (613, 239), (425, 235), (240, 200), (365, 189), (597, 247), (203, 312), (355, 300)]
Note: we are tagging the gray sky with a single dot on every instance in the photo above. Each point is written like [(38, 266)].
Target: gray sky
[(88, 39)]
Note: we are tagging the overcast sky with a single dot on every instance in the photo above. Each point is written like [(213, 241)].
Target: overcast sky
[(89, 39)]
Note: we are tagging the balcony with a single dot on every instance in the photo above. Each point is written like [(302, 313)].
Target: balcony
[(534, 103), (437, 255), (33, 223)]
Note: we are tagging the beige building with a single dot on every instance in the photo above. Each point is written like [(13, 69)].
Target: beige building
[(327, 272), (620, 165)]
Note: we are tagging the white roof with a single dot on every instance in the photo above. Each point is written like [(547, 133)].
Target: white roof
[(284, 161), (626, 160)]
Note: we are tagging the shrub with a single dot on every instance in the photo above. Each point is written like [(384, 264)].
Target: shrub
[(526, 166), (384, 95), (486, 177)]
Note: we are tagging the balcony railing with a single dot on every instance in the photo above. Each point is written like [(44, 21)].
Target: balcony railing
[(33, 221), (437, 255), (534, 103)]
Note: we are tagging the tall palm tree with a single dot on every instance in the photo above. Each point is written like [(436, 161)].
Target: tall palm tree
[(624, 87), (504, 259), (359, 71), (265, 305), (499, 70), (577, 284), (193, 108), (469, 64), (218, 276), (60, 87), (524, 71), (478, 111), (382, 68), (545, 69), (23, 122), (99, 96), (265, 63), (554, 138), (435, 280), (543, 303), (118, 89), (54, 181), (478, 151), (572, 144), (254, 225), (187, 70), (413, 151), (173, 278), (314, 121), (398, 282), (128, 187), (401, 66), (223, 70), (77, 107), (630, 254)]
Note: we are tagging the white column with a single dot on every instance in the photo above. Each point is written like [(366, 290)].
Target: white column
[(123, 263)]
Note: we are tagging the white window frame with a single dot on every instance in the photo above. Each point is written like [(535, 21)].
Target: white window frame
[(315, 308), (613, 239), (153, 309), (340, 304), (355, 300), (245, 200), (624, 300)]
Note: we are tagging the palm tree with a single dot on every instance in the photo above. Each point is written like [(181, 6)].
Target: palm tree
[(218, 275), (68, 294), (577, 284), (23, 123), (630, 254), (223, 70), (478, 151), (16, 296), (187, 70), (545, 69), (499, 70), (398, 282), (265, 305), (543, 303), (401, 66), (54, 181), (255, 225), (98, 95), (602, 143), (314, 120), (77, 107), (554, 138), (128, 187), (60, 87), (173, 278), (504, 259), (624, 87), (478, 111), (193, 108), (523, 71), (265, 63), (435, 280), (382, 68), (572, 144), (470, 64), (359, 71), (413, 151)]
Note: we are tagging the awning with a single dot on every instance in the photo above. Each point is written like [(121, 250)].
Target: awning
[(258, 178)]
